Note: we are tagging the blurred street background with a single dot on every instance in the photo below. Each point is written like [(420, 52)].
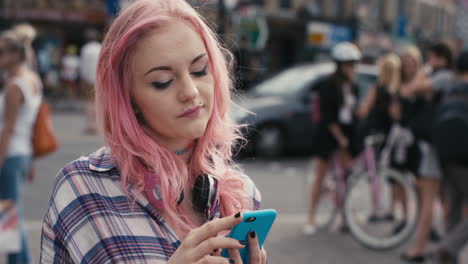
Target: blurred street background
[(267, 37)]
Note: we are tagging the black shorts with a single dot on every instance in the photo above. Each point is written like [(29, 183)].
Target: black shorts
[(325, 144)]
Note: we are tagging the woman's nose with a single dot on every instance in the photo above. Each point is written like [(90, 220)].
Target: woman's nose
[(188, 90)]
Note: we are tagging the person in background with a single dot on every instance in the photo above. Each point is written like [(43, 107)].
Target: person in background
[(338, 100), (456, 166), (376, 109), (88, 66), (418, 98), (20, 98), (70, 70), (437, 77), (49, 58), (165, 185), (411, 64)]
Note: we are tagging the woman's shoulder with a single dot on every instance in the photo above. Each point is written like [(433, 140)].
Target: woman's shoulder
[(27, 83), (89, 166), (88, 174), (249, 184), (251, 190), (90, 215)]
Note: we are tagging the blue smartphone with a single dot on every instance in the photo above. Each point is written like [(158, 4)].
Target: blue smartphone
[(259, 221)]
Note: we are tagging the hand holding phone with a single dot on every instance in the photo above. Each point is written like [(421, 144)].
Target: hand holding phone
[(198, 246), (259, 222)]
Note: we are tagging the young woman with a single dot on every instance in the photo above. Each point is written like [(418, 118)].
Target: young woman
[(338, 101), (163, 97), (376, 105), (377, 109), (422, 159), (19, 103)]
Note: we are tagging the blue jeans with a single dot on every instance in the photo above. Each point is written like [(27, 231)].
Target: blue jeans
[(12, 175)]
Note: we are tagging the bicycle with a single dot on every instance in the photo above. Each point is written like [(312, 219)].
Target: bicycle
[(364, 198)]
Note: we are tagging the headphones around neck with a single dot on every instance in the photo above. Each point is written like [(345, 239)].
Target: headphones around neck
[(204, 193)]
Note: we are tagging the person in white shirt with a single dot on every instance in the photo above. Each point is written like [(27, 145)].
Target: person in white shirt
[(20, 98), (70, 70), (88, 64)]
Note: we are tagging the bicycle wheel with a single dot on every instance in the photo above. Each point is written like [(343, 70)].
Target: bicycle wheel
[(387, 218)]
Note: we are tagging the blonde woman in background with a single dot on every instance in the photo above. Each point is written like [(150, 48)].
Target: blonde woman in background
[(422, 160), (378, 109), (20, 98), (375, 106)]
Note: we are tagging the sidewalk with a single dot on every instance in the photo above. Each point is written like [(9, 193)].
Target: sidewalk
[(67, 105), (288, 245)]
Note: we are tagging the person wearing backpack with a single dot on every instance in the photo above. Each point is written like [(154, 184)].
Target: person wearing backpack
[(449, 132), (336, 100)]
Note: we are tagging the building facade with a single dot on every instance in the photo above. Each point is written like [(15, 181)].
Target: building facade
[(283, 32), (295, 25)]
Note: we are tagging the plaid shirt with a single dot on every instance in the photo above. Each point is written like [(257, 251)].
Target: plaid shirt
[(91, 220)]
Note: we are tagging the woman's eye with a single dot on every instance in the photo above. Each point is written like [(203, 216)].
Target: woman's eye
[(161, 85), (200, 73)]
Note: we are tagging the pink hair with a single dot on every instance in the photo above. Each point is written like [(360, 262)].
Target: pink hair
[(136, 152)]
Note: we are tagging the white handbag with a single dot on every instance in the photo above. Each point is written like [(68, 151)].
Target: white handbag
[(10, 241)]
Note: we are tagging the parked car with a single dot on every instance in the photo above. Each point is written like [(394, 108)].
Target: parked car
[(277, 112)]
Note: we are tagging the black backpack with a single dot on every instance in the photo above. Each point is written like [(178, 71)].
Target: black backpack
[(449, 132)]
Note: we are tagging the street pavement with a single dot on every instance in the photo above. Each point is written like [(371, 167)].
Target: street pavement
[(283, 185)]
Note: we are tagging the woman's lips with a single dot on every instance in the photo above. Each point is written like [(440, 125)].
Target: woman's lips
[(192, 112)]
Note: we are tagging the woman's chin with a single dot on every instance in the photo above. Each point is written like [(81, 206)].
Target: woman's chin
[(195, 133)]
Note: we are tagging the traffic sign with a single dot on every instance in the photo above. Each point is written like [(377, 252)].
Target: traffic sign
[(249, 22)]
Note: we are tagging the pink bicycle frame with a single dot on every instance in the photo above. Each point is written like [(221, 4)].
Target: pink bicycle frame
[(368, 160)]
